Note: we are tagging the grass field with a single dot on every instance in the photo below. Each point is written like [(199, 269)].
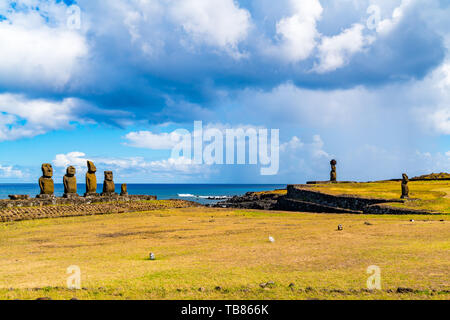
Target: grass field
[(428, 195), (205, 253)]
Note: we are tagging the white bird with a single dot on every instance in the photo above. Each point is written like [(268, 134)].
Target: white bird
[(271, 239), (152, 256)]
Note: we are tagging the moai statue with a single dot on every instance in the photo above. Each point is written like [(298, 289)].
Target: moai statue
[(108, 185), (123, 190), (405, 188), (46, 182), (91, 180), (70, 183), (333, 175)]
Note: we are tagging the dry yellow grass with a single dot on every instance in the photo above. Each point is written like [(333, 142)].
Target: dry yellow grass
[(277, 191), (209, 248)]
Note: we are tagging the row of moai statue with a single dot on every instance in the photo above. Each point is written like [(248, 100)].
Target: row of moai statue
[(47, 186), (405, 179)]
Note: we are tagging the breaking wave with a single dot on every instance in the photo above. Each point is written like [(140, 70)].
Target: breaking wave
[(188, 195)]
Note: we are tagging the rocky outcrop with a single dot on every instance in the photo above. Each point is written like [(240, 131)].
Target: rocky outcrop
[(251, 200), (432, 176)]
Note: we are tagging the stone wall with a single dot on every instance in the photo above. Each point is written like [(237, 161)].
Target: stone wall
[(306, 206), (86, 209), (384, 209), (35, 202), (302, 198), (302, 192)]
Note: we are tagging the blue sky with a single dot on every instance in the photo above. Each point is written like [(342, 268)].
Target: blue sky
[(365, 82)]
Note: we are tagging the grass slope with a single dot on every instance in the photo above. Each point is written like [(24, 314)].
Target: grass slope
[(208, 248)]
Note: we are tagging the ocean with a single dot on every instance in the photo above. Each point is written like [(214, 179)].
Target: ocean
[(192, 192)]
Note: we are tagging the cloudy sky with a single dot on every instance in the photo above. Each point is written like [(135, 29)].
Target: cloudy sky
[(365, 82)]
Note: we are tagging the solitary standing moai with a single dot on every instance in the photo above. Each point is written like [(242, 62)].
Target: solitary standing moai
[(108, 185), (333, 175), (46, 182), (405, 188), (91, 180), (123, 190), (70, 183)]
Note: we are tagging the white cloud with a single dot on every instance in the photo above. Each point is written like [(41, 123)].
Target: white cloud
[(33, 49), (24, 118), (387, 25), (167, 141), (10, 172), (294, 143), (149, 140), (439, 119), (314, 149), (298, 32), (76, 159), (444, 74), (21, 117), (131, 165), (220, 23), (317, 147), (288, 103), (432, 100), (298, 158), (431, 162), (335, 51)]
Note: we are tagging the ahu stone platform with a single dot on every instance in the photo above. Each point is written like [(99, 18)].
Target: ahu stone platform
[(52, 200), (301, 198), (59, 207)]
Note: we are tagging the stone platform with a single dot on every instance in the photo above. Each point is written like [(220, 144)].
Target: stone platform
[(51, 200), (301, 198), (84, 207)]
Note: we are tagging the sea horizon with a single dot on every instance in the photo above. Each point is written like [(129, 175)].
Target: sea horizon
[(205, 193)]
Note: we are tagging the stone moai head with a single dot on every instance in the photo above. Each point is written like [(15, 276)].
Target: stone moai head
[(333, 163), (108, 176), (47, 170), (123, 188), (91, 167), (70, 172), (405, 178)]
